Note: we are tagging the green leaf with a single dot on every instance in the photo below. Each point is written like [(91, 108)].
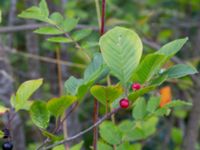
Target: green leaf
[(179, 71), (60, 147), (110, 133), (48, 30), (72, 85), (94, 69), (57, 106), (56, 17), (68, 24), (136, 94), (106, 94), (125, 146), (170, 49), (162, 111), (177, 135), (1, 134), (126, 126), (77, 146), (149, 126), (148, 68), (24, 92), (59, 39), (153, 104), (103, 146), (177, 103), (3, 109), (34, 13), (81, 34), (158, 80), (44, 8), (135, 134), (139, 110), (40, 114), (121, 49), (51, 136)]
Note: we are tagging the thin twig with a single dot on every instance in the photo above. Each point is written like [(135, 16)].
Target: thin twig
[(27, 27), (45, 59), (84, 131)]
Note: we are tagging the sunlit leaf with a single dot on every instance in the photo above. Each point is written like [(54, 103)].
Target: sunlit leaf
[(24, 92), (121, 49)]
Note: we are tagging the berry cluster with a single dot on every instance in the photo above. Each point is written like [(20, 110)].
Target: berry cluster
[(124, 103), (7, 145)]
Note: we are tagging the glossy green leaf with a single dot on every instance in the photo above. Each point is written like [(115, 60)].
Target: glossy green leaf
[(57, 106), (48, 30), (148, 68), (24, 92), (139, 110), (153, 104), (121, 49), (171, 48), (136, 94), (68, 24), (40, 114), (81, 34), (110, 133), (103, 146), (59, 39), (180, 70), (106, 94)]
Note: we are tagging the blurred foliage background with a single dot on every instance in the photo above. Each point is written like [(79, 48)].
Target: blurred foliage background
[(157, 22)]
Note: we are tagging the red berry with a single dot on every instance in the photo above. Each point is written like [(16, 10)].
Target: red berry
[(136, 86), (124, 103)]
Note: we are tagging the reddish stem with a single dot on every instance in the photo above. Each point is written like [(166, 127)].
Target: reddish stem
[(103, 17), (96, 103), (95, 118)]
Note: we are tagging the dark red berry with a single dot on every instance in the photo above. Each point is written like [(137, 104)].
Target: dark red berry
[(7, 146), (6, 133), (136, 86), (124, 103)]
